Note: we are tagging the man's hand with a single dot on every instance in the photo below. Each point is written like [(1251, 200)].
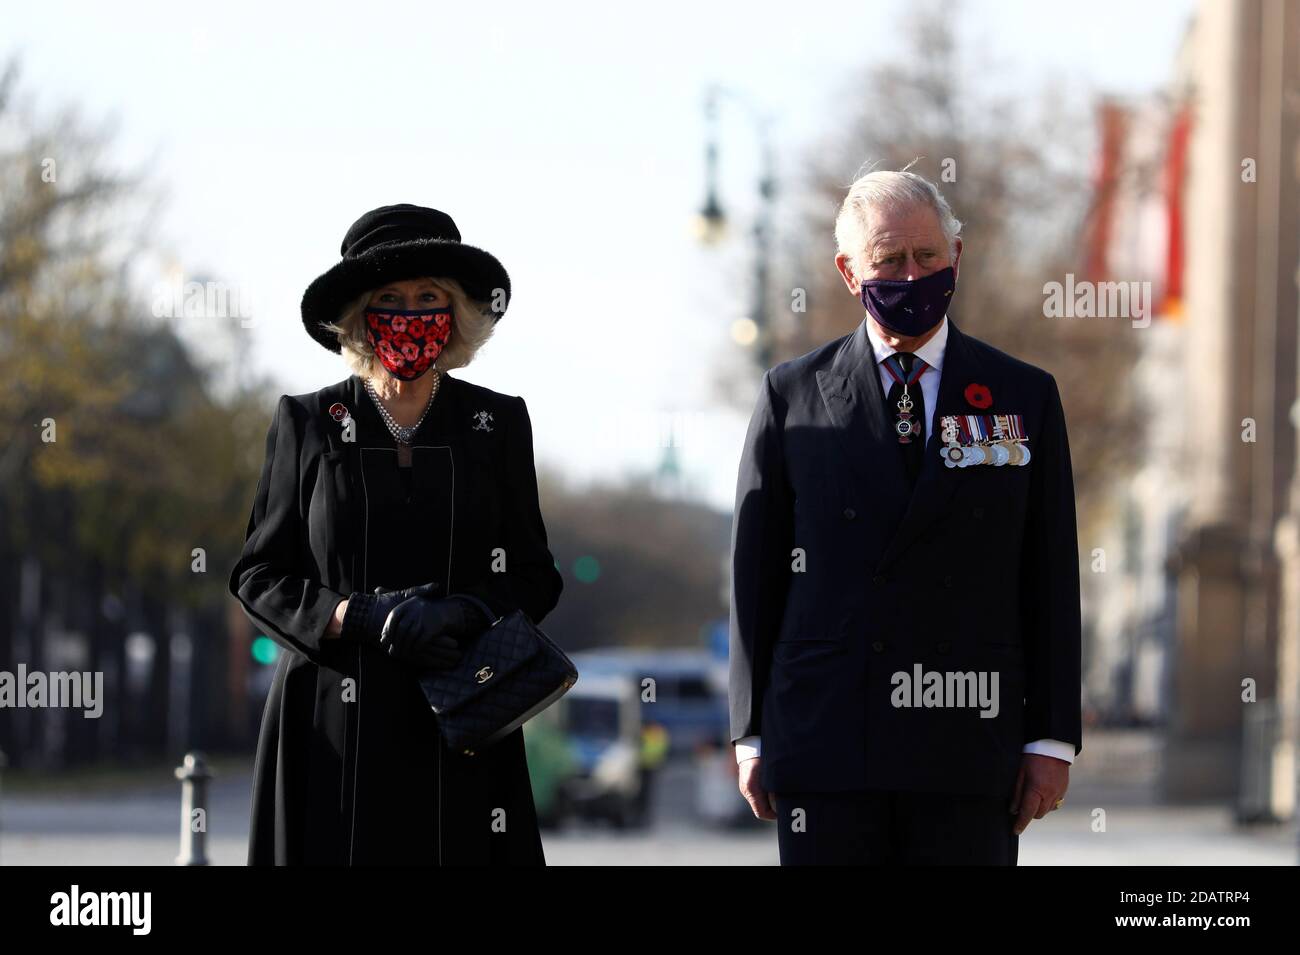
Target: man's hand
[(761, 802), (1041, 781)]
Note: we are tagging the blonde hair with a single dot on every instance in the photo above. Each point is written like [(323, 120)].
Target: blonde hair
[(471, 326)]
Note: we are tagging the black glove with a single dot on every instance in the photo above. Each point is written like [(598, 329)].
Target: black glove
[(364, 619), (433, 632)]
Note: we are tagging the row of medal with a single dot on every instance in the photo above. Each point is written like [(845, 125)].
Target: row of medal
[(970, 440)]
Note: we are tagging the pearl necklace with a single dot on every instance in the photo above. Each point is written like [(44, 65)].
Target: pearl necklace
[(403, 435)]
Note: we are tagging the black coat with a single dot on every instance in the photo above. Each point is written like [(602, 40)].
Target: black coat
[(350, 768), (976, 569)]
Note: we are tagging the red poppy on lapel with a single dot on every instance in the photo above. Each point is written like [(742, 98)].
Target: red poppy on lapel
[(337, 411), (978, 395)]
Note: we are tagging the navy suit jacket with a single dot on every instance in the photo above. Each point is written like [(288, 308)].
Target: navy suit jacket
[(842, 576)]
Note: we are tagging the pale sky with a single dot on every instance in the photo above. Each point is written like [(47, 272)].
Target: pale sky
[(565, 138)]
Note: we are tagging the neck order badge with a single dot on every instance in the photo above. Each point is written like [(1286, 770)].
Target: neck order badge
[(906, 369)]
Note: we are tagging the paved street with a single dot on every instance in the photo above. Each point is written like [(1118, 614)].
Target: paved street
[(141, 825)]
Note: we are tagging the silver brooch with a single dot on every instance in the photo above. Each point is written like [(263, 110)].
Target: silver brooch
[(482, 418)]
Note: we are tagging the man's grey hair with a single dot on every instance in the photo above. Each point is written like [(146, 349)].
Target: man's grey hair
[(886, 190)]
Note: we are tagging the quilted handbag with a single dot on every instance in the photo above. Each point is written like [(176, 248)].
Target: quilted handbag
[(509, 673)]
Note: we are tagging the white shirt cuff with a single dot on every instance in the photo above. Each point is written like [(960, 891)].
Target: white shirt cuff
[(747, 747), (1051, 747), (750, 746)]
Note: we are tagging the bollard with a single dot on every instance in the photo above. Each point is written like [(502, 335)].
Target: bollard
[(194, 776)]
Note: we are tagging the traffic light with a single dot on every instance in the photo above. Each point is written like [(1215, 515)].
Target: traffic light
[(264, 650)]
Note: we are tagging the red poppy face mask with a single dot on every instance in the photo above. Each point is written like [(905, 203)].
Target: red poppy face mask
[(407, 341)]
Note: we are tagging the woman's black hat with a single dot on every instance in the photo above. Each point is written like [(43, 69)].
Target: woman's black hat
[(392, 243)]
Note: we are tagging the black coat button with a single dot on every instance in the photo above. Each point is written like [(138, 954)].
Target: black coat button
[(947, 580), (878, 646), (944, 646), (879, 579), (977, 512), (849, 513)]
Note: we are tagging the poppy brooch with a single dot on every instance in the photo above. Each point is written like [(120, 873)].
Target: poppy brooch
[(978, 395)]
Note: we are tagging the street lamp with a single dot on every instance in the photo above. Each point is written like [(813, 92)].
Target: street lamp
[(711, 221)]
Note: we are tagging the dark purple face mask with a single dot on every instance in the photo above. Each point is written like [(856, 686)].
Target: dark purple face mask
[(911, 308)]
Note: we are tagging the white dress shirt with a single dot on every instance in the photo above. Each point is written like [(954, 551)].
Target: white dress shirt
[(932, 354)]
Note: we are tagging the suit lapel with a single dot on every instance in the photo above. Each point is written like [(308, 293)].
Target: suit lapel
[(855, 402), (936, 482)]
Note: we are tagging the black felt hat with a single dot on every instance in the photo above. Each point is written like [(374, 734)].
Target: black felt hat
[(392, 243)]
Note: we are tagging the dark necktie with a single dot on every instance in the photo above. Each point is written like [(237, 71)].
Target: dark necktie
[(914, 451)]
